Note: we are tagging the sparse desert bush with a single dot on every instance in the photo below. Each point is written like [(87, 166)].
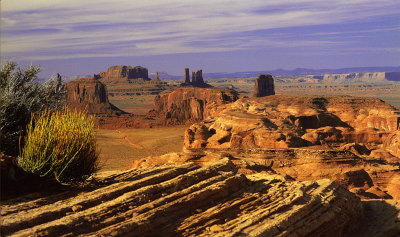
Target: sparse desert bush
[(20, 96), (60, 145)]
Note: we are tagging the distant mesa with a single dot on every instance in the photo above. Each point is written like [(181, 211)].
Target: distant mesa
[(360, 77), (264, 86), (123, 74), (131, 81), (197, 79)]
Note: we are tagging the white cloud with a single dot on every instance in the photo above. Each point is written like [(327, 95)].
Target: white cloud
[(164, 27)]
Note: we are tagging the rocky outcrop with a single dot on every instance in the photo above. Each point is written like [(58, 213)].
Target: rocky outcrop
[(89, 94), (187, 76), (191, 104), (368, 178), (297, 121), (188, 200), (392, 144), (197, 79), (264, 86), (349, 127)]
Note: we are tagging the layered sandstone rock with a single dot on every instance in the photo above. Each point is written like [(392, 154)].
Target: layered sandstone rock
[(368, 178), (264, 86), (341, 129), (190, 201), (191, 104), (371, 77), (298, 121), (392, 144), (89, 94)]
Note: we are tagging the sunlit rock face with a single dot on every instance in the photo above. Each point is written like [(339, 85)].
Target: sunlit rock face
[(89, 94), (214, 200), (191, 104), (298, 121)]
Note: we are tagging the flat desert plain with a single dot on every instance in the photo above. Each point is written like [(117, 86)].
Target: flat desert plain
[(118, 148)]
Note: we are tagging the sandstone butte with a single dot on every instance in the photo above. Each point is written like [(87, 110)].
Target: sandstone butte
[(185, 105), (89, 94), (264, 86)]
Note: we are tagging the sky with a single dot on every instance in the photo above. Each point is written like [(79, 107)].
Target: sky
[(83, 37)]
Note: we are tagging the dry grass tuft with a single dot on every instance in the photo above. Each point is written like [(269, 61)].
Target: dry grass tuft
[(60, 145)]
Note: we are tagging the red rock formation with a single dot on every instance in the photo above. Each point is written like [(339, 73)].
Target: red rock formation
[(264, 86), (392, 144), (124, 74), (371, 178), (187, 76), (297, 121), (197, 79), (89, 94), (191, 104), (335, 123)]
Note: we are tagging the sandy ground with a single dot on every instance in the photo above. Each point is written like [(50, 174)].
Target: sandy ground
[(119, 147)]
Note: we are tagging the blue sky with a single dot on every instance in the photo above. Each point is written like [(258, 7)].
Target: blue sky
[(84, 37)]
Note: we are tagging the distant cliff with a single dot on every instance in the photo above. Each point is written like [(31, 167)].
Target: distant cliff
[(124, 74), (361, 77)]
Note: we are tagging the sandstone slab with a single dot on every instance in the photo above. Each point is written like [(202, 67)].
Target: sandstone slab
[(188, 200)]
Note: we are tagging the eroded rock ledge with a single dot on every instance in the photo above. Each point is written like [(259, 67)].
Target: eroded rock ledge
[(189, 200)]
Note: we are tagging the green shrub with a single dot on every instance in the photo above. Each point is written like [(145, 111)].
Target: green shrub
[(20, 96), (60, 145)]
